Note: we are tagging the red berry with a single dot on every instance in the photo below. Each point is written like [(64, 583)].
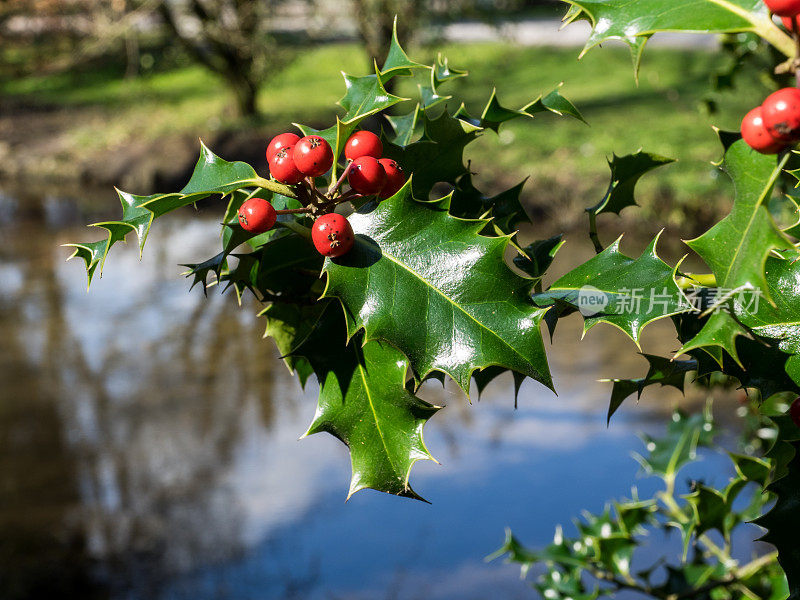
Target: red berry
[(332, 235), (756, 135), (313, 156), (363, 143), (282, 166), (256, 215), (366, 175), (781, 114), (784, 8), (281, 141), (794, 412), (395, 177)]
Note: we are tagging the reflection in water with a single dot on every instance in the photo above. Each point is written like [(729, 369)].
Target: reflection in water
[(148, 443)]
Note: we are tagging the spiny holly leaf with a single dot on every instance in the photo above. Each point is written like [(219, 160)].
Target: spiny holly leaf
[(290, 325), (505, 208), (621, 291), (713, 509), (212, 175), (662, 371), (407, 127), (365, 96), (758, 363), (397, 61), (287, 266), (779, 321), (783, 521), (537, 257), (625, 174), (430, 285), (737, 247), (495, 114), (438, 156), (430, 97), (634, 22), (485, 376), (442, 72), (363, 401), (720, 331), (554, 102), (233, 237)]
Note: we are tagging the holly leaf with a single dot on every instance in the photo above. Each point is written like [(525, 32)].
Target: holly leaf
[(783, 521), (363, 401), (495, 114), (212, 175), (737, 247), (442, 72), (438, 156), (397, 61), (430, 285), (601, 289), (365, 96), (662, 371), (634, 22), (555, 103), (505, 208), (407, 127), (537, 257), (290, 325), (625, 174), (779, 320)]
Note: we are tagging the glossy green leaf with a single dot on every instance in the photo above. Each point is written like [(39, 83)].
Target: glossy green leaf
[(505, 208), (662, 371), (537, 256), (621, 291), (737, 247), (626, 171), (363, 401), (783, 521), (397, 61), (365, 96), (212, 175), (430, 285), (407, 127), (634, 22), (438, 156)]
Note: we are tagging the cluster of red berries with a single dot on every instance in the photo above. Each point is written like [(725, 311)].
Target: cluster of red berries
[(775, 124), (294, 160)]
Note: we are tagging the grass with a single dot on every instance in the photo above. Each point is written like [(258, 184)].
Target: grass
[(565, 159)]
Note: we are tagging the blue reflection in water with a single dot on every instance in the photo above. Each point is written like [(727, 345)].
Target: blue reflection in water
[(160, 433)]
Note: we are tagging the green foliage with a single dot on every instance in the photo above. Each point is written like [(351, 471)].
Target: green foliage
[(598, 561)]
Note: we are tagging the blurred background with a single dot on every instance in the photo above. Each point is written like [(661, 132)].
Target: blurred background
[(148, 437)]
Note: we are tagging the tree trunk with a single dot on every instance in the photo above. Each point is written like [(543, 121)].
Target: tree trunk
[(246, 93)]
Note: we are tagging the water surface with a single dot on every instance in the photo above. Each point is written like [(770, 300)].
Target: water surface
[(149, 440)]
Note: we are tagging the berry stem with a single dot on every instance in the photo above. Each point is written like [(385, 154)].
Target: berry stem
[(296, 227), (272, 186), (293, 211), (340, 181)]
